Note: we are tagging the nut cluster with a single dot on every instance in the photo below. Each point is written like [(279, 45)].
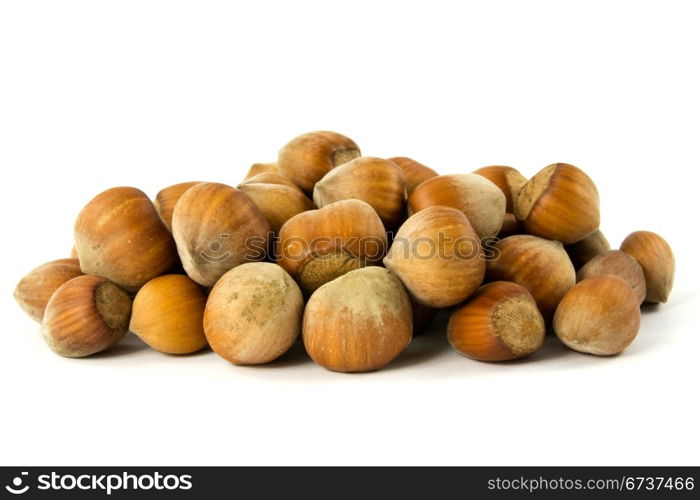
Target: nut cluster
[(354, 255)]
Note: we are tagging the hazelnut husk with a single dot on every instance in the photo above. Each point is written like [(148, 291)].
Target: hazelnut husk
[(253, 314), (477, 197), (167, 198), (414, 172), (591, 246), (541, 266), (277, 202), (508, 179), (34, 290), (559, 203), (500, 322), (620, 264), (600, 315), (86, 315), (438, 257), (656, 258), (378, 182), (216, 228), (167, 314), (317, 246), (308, 157), (120, 236), (358, 322)]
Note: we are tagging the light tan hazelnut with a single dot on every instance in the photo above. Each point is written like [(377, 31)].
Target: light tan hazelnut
[(36, 288), (253, 314), (438, 257), (477, 197), (619, 264), (358, 322), (600, 315)]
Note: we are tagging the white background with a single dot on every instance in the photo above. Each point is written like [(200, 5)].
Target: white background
[(97, 94)]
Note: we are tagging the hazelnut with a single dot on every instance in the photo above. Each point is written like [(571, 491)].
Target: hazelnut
[(559, 203), (438, 257), (167, 314), (373, 180), (307, 158), (600, 315), (262, 168), (120, 236), (657, 261), (216, 228), (277, 202), (508, 179), (317, 246), (619, 264), (499, 323), (592, 245), (253, 314), (480, 199), (35, 289), (270, 178), (413, 171), (167, 198), (86, 315), (358, 322), (73, 253), (542, 266)]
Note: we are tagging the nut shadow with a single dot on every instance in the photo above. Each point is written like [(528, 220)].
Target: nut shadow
[(296, 355)]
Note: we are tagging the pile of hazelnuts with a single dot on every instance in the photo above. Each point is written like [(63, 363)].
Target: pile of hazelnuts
[(355, 255)]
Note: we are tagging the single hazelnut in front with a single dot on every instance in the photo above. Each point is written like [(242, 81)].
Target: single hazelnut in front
[(414, 172), (656, 258), (167, 314), (592, 245), (618, 263), (167, 198), (508, 179), (262, 168), (317, 246), (477, 197), (308, 157), (499, 323), (600, 315), (253, 314), (120, 236), (358, 322), (378, 182), (86, 315), (277, 202), (36, 288), (438, 257), (559, 203), (216, 228), (541, 266)]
